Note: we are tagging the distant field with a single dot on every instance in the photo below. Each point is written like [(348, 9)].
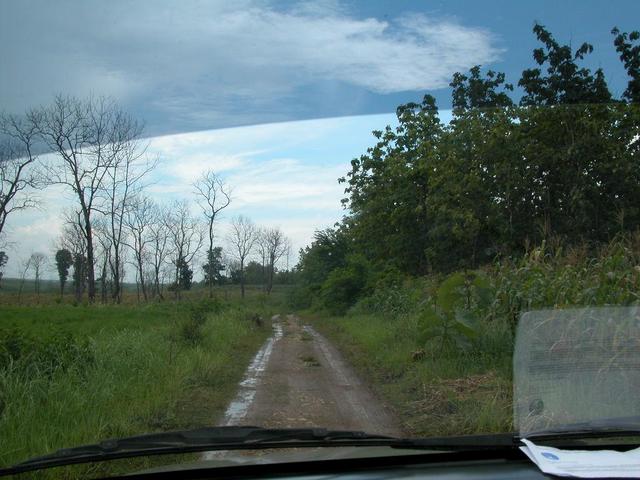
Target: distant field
[(10, 292), (71, 375)]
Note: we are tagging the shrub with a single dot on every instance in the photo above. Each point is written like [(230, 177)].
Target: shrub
[(344, 285), (191, 328)]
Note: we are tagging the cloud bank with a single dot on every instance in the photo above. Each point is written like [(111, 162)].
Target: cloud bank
[(215, 64)]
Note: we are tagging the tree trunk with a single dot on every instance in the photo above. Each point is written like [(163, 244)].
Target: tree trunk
[(242, 278), (103, 281), (91, 274), (140, 273), (210, 255), (117, 289)]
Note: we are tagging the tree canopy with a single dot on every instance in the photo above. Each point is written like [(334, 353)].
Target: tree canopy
[(562, 161)]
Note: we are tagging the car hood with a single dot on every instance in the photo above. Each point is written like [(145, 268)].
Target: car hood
[(288, 455)]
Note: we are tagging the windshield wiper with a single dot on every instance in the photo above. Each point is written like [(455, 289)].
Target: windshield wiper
[(200, 440), (249, 438)]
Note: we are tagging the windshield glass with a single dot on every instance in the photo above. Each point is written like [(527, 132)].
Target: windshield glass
[(315, 215), (576, 369)]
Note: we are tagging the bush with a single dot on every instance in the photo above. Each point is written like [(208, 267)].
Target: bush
[(344, 285), (191, 328)]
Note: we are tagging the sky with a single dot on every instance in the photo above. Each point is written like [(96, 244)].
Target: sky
[(277, 97)]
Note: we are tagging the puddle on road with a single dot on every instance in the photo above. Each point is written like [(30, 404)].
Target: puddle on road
[(237, 409)]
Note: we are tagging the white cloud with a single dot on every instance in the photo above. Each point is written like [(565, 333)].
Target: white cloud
[(223, 63)]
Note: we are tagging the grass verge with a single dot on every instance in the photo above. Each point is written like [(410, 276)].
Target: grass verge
[(434, 391)]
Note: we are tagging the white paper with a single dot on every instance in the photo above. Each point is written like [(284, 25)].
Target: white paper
[(584, 463)]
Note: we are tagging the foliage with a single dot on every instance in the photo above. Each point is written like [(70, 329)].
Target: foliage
[(446, 393), (502, 177), (64, 261), (214, 267), (344, 285), (453, 317), (326, 253), (560, 276), (630, 57), (79, 271), (449, 371), (185, 275), (191, 329), (565, 81)]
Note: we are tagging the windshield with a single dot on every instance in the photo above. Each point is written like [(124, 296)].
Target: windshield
[(315, 215)]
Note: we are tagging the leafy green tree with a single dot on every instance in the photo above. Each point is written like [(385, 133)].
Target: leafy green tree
[(627, 46), (185, 275), (253, 273), (64, 261), (79, 275), (474, 92), (563, 81), (504, 175), (345, 284), (387, 189), (327, 252), (214, 267)]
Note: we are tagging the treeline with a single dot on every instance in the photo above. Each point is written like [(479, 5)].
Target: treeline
[(561, 162), (101, 158)]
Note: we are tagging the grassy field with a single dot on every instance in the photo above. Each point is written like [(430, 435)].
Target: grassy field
[(74, 375)]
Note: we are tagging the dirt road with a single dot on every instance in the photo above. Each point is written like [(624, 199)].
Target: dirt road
[(298, 379)]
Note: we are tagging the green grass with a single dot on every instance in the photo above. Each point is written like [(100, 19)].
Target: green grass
[(446, 392), (141, 375)]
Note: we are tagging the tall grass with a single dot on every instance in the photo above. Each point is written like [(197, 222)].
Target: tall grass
[(143, 374)]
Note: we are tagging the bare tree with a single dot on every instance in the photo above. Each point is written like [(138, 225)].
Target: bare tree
[(139, 220), (276, 245), (185, 239), (262, 246), (17, 176), (243, 238), (103, 254), (26, 266), (89, 137), (37, 262), (159, 246), (124, 181), (213, 197)]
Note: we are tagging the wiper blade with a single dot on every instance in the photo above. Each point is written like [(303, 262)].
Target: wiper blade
[(249, 438), (199, 440)]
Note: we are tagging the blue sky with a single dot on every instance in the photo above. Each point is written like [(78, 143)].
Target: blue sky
[(304, 83)]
